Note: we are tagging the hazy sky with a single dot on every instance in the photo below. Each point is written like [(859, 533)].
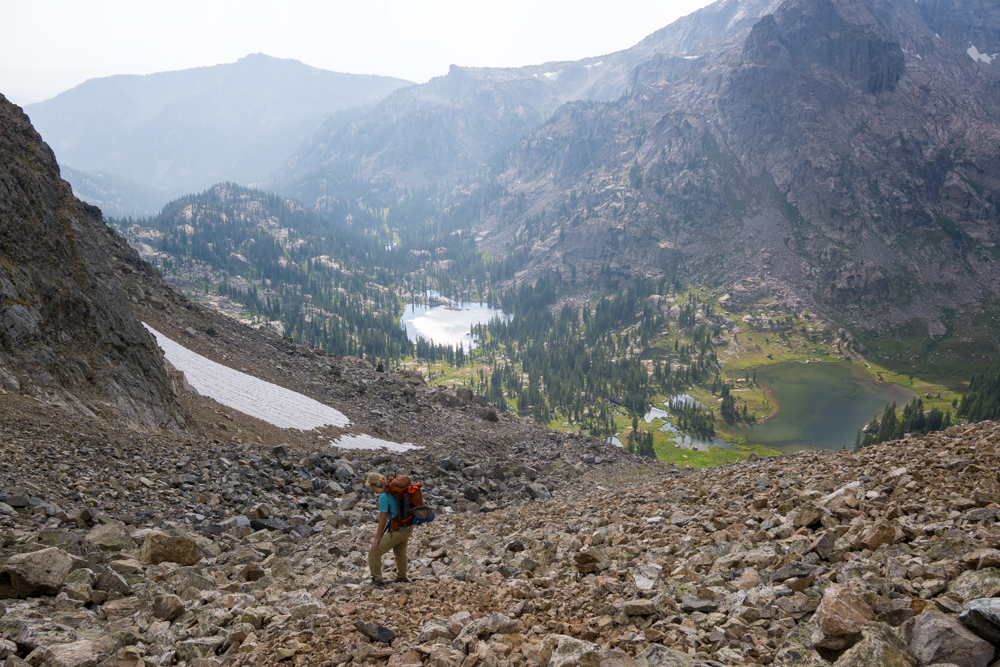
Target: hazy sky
[(47, 46)]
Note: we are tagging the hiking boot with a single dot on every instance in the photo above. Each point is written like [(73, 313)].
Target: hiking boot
[(403, 580), (377, 583)]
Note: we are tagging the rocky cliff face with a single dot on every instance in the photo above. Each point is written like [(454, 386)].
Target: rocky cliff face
[(67, 332), (840, 154)]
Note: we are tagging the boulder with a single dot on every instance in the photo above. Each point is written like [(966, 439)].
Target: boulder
[(878, 535), (936, 637), (35, 573), (982, 558), (796, 649), (810, 514), (167, 607), (982, 616), (570, 652), (589, 561), (167, 548), (74, 654), (112, 582), (375, 632), (111, 537), (975, 584), (640, 607), (457, 621), (538, 491), (880, 646), (839, 618)]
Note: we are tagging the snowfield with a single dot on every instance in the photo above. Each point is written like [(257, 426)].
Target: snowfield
[(365, 441), (252, 396)]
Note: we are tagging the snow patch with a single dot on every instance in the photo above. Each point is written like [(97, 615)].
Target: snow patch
[(252, 396), (592, 65), (552, 76), (365, 441), (691, 57), (980, 57)]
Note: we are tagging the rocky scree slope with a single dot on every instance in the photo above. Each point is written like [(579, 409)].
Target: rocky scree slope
[(841, 153), (885, 556), (67, 332)]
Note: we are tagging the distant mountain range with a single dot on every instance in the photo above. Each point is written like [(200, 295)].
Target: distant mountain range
[(183, 131), (440, 132)]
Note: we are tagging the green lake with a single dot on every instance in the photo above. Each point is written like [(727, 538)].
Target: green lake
[(821, 405)]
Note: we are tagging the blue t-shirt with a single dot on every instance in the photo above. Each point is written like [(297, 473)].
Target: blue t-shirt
[(389, 504)]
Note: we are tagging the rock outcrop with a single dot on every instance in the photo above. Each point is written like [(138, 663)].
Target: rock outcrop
[(67, 332)]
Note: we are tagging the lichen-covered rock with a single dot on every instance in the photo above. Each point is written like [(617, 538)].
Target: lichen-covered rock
[(839, 618), (111, 537), (35, 573), (982, 616), (75, 654), (879, 646), (572, 652)]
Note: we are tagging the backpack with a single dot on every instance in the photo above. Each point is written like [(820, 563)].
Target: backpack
[(412, 510)]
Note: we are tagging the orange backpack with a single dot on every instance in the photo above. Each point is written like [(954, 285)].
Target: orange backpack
[(412, 511)]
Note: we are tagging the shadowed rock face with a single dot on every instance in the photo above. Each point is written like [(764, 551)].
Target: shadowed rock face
[(841, 36), (67, 332)]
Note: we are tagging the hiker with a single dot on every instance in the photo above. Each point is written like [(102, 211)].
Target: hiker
[(387, 537)]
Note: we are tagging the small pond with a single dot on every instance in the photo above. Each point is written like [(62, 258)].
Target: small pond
[(821, 405)]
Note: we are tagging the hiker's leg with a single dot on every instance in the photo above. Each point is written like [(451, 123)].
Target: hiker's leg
[(387, 542), (399, 551)]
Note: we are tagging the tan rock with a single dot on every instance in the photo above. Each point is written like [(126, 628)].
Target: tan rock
[(166, 548), (113, 536), (839, 618)]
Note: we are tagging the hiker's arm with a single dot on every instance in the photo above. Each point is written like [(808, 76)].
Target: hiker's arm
[(381, 529)]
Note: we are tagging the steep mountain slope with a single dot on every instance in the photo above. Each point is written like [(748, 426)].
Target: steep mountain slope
[(67, 333), (843, 154), (269, 260), (444, 130), (183, 131)]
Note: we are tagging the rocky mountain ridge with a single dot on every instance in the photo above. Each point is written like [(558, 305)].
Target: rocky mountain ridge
[(838, 155), (440, 133)]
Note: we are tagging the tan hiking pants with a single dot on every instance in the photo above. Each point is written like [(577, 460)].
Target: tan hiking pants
[(396, 540)]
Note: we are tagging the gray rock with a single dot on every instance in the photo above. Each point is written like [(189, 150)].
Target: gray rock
[(111, 537), (538, 492), (112, 582), (982, 616), (375, 632), (936, 637), (167, 607), (35, 573)]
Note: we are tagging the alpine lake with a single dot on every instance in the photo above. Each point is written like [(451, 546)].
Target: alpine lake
[(821, 405)]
